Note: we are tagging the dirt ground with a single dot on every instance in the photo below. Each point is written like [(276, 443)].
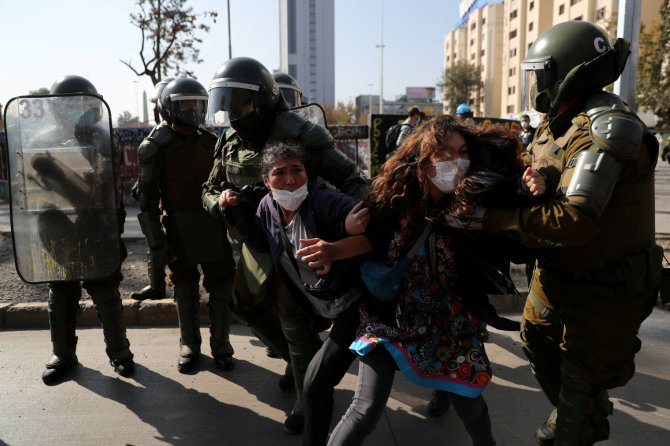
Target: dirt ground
[(14, 290)]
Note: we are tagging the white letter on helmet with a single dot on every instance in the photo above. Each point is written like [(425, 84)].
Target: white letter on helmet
[(600, 44)]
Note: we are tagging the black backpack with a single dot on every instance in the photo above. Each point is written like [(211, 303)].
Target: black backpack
[(392, 137)]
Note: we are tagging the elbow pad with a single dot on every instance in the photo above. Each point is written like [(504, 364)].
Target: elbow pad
[(593, 180)]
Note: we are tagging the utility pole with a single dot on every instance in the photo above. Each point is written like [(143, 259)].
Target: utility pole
[(381, 66), (230, 43), (628, 27)]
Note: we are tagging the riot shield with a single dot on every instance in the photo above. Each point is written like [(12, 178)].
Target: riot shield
[(62, 188), (312, 113)]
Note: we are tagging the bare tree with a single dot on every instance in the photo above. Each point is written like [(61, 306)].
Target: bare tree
[(169, 38)]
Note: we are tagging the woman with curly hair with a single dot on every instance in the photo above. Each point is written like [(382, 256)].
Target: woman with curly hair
[(430, 331)]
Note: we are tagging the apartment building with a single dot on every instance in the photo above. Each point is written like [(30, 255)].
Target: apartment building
[(307, 46), (479, 41), (522, 22)]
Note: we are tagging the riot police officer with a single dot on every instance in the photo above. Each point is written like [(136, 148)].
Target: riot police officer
[(174, 162), (244, 90), (64, 296), (289, 88), (156, 270), (598, 267)]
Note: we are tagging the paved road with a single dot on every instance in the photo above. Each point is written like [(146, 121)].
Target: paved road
[(159, 406)]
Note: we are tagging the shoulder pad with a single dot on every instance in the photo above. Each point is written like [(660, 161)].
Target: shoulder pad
[(614, 128), (287, 125), (161, 135)]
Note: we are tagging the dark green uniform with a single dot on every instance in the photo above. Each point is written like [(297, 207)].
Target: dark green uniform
[(260, 294), (597, 266), (172, 169)]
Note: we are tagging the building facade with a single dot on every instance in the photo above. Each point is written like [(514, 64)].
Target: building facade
[(479, 41), (522, 21), (307, 46)]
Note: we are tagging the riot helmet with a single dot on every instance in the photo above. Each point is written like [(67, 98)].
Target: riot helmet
[(184, 102), (289, 88), (68, 109), (73, 84), (240, 86), (567, 60), (156, 97)]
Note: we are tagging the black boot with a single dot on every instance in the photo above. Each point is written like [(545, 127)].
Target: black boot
[(108, 305), (57, 369), (219, 329), (188, 309), (63, 314), (156, 288), (124, 367), (148, 293), (188, 359)]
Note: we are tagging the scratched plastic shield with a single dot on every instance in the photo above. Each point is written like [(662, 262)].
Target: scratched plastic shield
[(311, 112), (62, 188)]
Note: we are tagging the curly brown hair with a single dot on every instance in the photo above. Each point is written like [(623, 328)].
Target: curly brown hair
[(401, 189)]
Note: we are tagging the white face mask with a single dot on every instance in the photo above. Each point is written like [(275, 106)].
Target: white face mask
[(449, 173), (288, 200)]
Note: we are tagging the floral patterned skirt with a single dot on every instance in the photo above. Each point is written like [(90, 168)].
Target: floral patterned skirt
[(435, 342)]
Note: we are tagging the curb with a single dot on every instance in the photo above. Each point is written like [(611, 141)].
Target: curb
[(158, 312), (135, 313)]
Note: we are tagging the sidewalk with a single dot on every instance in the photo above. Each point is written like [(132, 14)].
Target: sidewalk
[(159, 406)]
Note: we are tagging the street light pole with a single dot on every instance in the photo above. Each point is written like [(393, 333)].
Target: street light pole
[(381, 66), (230, 43)]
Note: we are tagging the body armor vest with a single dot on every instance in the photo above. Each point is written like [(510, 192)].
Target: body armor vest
[(186, 165), (625, 227)]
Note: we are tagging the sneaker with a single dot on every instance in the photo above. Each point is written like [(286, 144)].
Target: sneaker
[(439, 403), (545, 434), (294, 424)]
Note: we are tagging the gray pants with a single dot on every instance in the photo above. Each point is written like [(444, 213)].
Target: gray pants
[(375, 380)]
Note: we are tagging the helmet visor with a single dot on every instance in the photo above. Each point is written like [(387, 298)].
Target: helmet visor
[(229, 101), (536, 76), (190, 111), (291, 95), (528, 90)]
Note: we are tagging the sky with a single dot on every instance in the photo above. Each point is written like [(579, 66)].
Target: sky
[(44, 40)]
